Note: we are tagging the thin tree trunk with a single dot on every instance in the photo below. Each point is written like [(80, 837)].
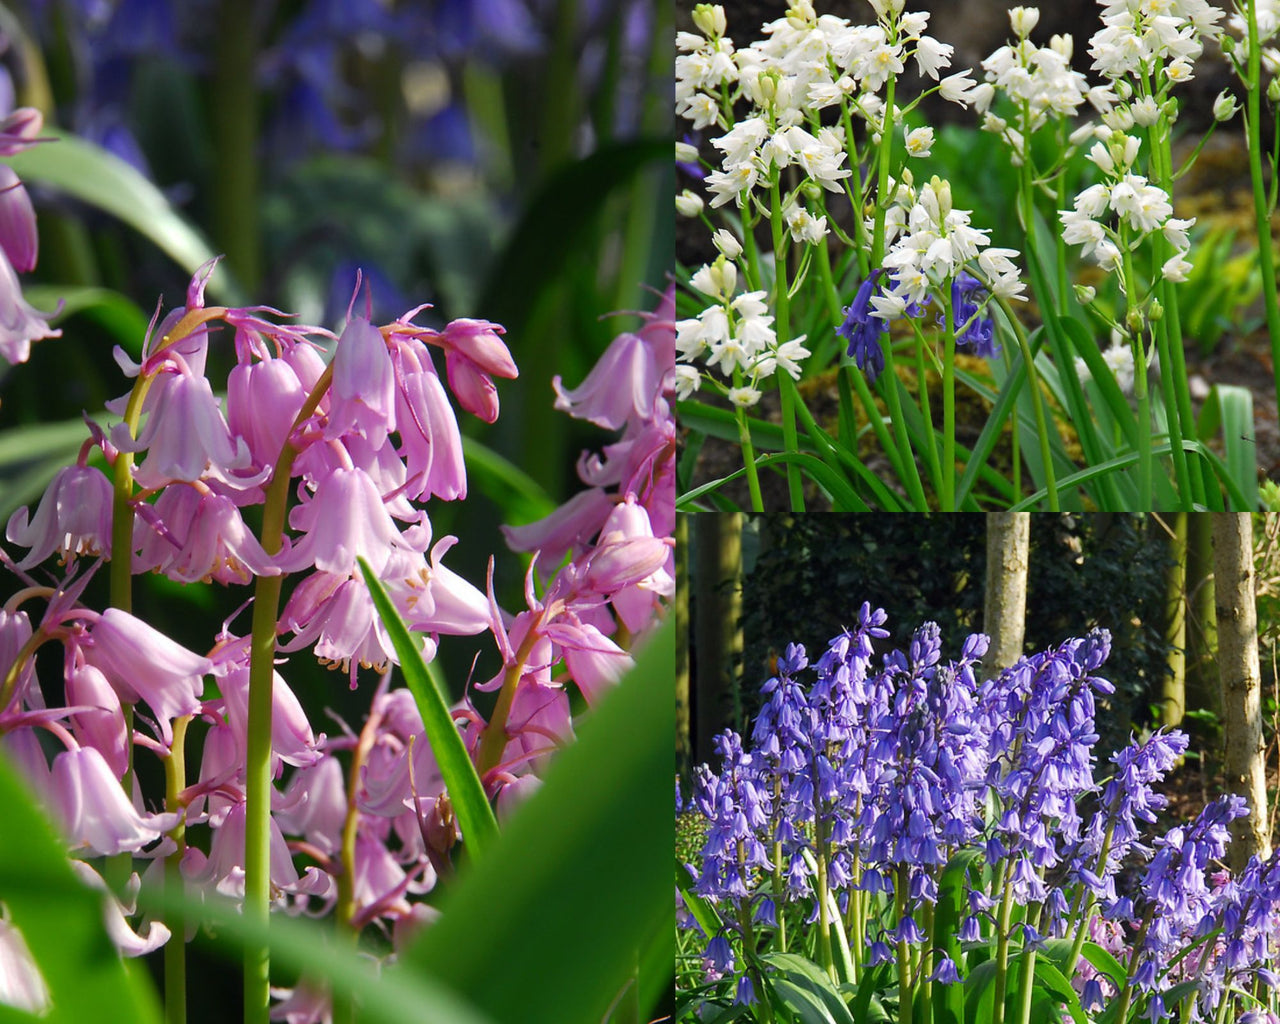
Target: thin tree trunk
[(1241, 680), (1004, 616), (1174, 705), (684, 724), (717, 632), (1204, 689)]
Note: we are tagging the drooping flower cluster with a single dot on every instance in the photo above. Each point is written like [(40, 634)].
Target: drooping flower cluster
[(864, 786), (360, 442)]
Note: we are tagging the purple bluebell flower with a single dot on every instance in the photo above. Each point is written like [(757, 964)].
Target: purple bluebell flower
[(718, 959), (745, 994), (976, 332), (945, 972), (863, 331)]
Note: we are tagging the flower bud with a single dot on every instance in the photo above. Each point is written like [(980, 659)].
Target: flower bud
[(710, 20), (1023, 20), (688, 204), (1145, 112), (727, 243), (1156, 312), (1227, 43), (1273, 90), (1225, 106), (1133, 321), (686, 154), (801, 14), (1085, 294), (768, 88), (1063, 45)]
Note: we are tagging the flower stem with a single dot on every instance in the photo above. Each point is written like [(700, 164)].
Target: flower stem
[(782, 331), (948, 496), (494, 740), (905, 1010), (748, 450), (175, 950), (1037, 405), (1261, 201), (262, 649), (1002, 952)]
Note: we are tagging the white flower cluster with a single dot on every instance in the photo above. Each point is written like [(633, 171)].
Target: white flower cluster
[(735, 333), (930, 242), (751, 150), (1160, 38), (1268, 15), (1138, 205), (704, 63), (1038, 80)]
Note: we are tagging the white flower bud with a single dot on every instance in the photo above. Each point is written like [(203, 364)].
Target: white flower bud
[(1023, 20), (710, 20), (1085, 293), (1145, 111), (919, 142), (1063, 45), (1225, 106), (1273, 90), (727, 243), (688, 204), (744, 397), (686, 154)]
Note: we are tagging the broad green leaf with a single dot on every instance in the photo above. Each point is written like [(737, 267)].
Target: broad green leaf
[(948, 1000), (466, 793), (1230, 408), (807, 976), (90, 173), (873, 981), (62, 921), (544, 930)]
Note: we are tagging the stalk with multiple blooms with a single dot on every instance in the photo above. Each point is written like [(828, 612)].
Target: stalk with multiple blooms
[(341, 458), (839, 229), (951, 847)]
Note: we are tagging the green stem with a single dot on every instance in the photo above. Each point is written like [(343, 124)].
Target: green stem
[(262, 649), (494, 740), (1002, 954), (1028, 971), (235, 135), (748, 450), (905, 1010), (1261, 213), (782, 330), (822, 895), (1037, 405), (948, 501), (856, 199), (884, 157), (926, 407), (1126, 994), (175, 950)]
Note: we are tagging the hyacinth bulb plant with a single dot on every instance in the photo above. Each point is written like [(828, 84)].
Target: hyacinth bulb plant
[(334, 447), (847, 263), (900, 838)]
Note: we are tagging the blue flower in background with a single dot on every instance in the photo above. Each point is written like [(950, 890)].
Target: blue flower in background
[(975, 332), (864, 331)]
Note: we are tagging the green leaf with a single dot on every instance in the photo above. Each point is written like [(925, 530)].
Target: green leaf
[(872, 982), (545, 929), (521, 497), (62, 921), (948, 1000), (1231, 408), (703, 912), (556, 222), (90, 173), (807, 977), (479, 829), (115, 313)]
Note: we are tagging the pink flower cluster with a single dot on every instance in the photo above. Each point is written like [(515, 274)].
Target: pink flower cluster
[(20, 322), (352, 447)]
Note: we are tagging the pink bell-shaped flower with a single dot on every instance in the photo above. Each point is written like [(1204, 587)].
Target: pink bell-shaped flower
[(141, 663), (362, 398), (623, 385), (263, 399), (74, 517), (430, 442), (191, 535), (93, 810), (101, 725), (474, 355), (343, 520), (18, 235), (20, 322)]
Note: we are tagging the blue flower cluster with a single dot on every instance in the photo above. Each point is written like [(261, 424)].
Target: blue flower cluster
[(869, 780)]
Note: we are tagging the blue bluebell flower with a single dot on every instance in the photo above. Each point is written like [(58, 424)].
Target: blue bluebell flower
[(864, 331)]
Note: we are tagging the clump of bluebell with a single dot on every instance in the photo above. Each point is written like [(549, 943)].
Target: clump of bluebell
[(961, 830)]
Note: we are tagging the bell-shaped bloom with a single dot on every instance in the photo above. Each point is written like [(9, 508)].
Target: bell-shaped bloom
[(343, 520), (626, 554), (18, 235), (637, 602), (380, 883), (441, 601), (570, 528), (430, 442), (15, 631), (19, 130), (20, 322), (125, 939), (362, 397), (91, 807), (594, 661), (191, 535), (623, 385), (474, 355), (101, 724), (263, 399), (186, 436), (74, 517), (141, 663), (22, 986), (224, 866), (537, 725), (292, 740), (336, 613), (314, 805)]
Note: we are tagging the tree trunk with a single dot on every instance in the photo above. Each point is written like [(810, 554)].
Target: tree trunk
[(717, 630), (1204, 688), (1241, 680), (1004, 616), (1174, 705), (684, 724)]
